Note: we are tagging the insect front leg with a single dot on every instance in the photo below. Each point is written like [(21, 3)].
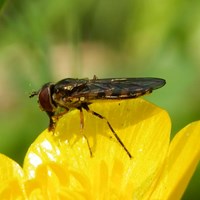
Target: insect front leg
[(85, 106), (51, 121), (53, 118)]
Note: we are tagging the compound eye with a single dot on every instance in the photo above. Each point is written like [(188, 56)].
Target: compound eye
[(45, 99)]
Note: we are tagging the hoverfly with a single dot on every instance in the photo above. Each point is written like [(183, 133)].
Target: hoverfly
[(78, 94)]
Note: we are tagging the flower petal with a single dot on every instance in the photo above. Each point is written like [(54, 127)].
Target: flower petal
[(11, 179), (144, 130), (183, 157)]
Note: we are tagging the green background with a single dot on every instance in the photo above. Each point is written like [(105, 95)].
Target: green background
[(46, 40)]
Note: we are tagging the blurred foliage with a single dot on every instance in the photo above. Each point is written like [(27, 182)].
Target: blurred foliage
[(2, 2), (42, 41)]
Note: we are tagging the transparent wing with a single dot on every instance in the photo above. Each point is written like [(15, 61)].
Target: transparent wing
[(116, 88)]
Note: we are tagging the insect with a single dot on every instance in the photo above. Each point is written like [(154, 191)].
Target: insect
[(78, 94)]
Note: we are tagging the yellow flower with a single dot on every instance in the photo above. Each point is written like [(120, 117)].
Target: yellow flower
[(59, 165)]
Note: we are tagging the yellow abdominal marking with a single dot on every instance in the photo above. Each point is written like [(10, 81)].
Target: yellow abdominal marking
[(82, 98)]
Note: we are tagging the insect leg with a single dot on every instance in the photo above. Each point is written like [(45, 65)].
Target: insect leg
[(85, 106), (51, 121), (82, 126), (53, 118)]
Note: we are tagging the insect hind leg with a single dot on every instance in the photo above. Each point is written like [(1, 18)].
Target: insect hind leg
[(85, 106)]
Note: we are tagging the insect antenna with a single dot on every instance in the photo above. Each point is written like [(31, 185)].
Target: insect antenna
[(85, 106), (33, 94)]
